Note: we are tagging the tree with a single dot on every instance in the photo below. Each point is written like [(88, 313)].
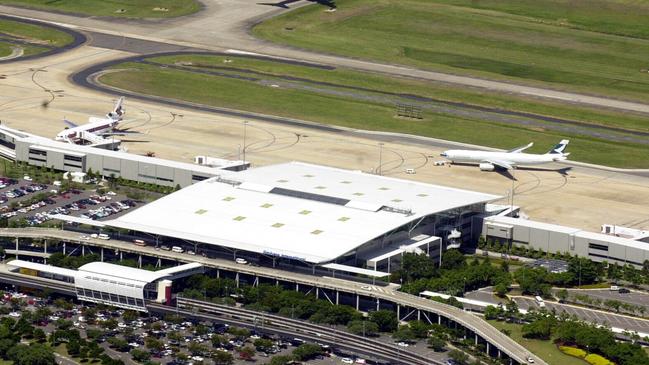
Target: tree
[(130, 316), (6, 344), (562, 295), (500, 289), (110, 324), (492, 312), (540, 328), (140, 355), (459, 357), (73, 347), (404, 333), (436, 343), (531, 279), (307, 351), (39, 335), (385, 319), (281, 360), (364, 328), (415, 266), (34, 354), (222, 358), (246, 353), (154, 344), (453, 259), (263, 344), (118, 344), (94, 350)]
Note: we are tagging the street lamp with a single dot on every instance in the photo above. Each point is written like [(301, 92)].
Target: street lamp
[(380, 158), (245, 124)]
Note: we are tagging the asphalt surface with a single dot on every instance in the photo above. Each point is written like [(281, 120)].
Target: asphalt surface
[(463, 110), (589, 315), (78, 39), (225, 24)]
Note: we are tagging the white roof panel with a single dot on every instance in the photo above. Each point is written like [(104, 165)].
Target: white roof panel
[(44, 268), (307, 220), (129, 274), (356, 270)]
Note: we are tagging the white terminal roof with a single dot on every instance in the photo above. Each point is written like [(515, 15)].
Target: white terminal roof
[(127, 274), (302, 211)]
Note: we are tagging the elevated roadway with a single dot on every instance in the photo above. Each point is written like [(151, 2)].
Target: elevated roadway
[(482, 330)]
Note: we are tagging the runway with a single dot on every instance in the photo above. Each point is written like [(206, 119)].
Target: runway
[(584, 198), (225, 25)]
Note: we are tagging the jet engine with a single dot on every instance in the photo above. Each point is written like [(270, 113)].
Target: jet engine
[(485, 166)]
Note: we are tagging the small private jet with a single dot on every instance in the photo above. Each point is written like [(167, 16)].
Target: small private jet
[(490, 161), (96, 128)]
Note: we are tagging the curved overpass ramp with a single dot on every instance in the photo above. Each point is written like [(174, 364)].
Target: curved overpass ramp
[(484, 331)]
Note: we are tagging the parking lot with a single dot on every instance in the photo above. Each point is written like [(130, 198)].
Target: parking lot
[(169, 340), (590, 315), (633, 297), (24, 199)]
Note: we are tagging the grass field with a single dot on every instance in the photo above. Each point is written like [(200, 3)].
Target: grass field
[(546, 350), (331, 108), (114, 8), (35, 34), (563, 44)]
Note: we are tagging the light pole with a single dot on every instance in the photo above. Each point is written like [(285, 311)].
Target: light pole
[(380, 158), (245, 124)]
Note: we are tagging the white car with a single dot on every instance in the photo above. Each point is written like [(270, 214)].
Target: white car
[(14, 314), (402, 344), (346, 360), (241, 261), (121, 325)]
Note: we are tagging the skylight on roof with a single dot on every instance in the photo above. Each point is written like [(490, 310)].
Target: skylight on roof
[(397, 200), (200, 211), (344, 219), (229, 198), (422, 195), (317, 231), (320, 187), (266, 205), (282, 181), (384, 188), (359, 194), (305, 212), (278, 225), (308, 175), (346, 182), (239, 218)]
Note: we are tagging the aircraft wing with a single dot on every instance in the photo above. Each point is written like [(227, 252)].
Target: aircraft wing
[(69, 123), (500, 163), (521, 148)]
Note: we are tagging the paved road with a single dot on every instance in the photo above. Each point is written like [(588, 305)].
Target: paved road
[(590, 315), (476, 324), (634, 297), (225, 24)]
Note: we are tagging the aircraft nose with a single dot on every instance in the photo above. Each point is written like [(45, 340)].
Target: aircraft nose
[(443, 154)]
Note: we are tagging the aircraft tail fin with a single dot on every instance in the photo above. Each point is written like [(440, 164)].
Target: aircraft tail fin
[(560, 148), (118, 111)]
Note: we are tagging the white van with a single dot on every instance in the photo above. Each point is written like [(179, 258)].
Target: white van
[(539, 301), (177, 249), (103, 236)]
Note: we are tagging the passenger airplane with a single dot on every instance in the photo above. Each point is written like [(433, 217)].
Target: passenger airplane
[(490, 161), (97, 127)]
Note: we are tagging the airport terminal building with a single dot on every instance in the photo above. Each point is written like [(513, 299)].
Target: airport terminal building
[(38, 151), (316, 215), (556, 238)]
